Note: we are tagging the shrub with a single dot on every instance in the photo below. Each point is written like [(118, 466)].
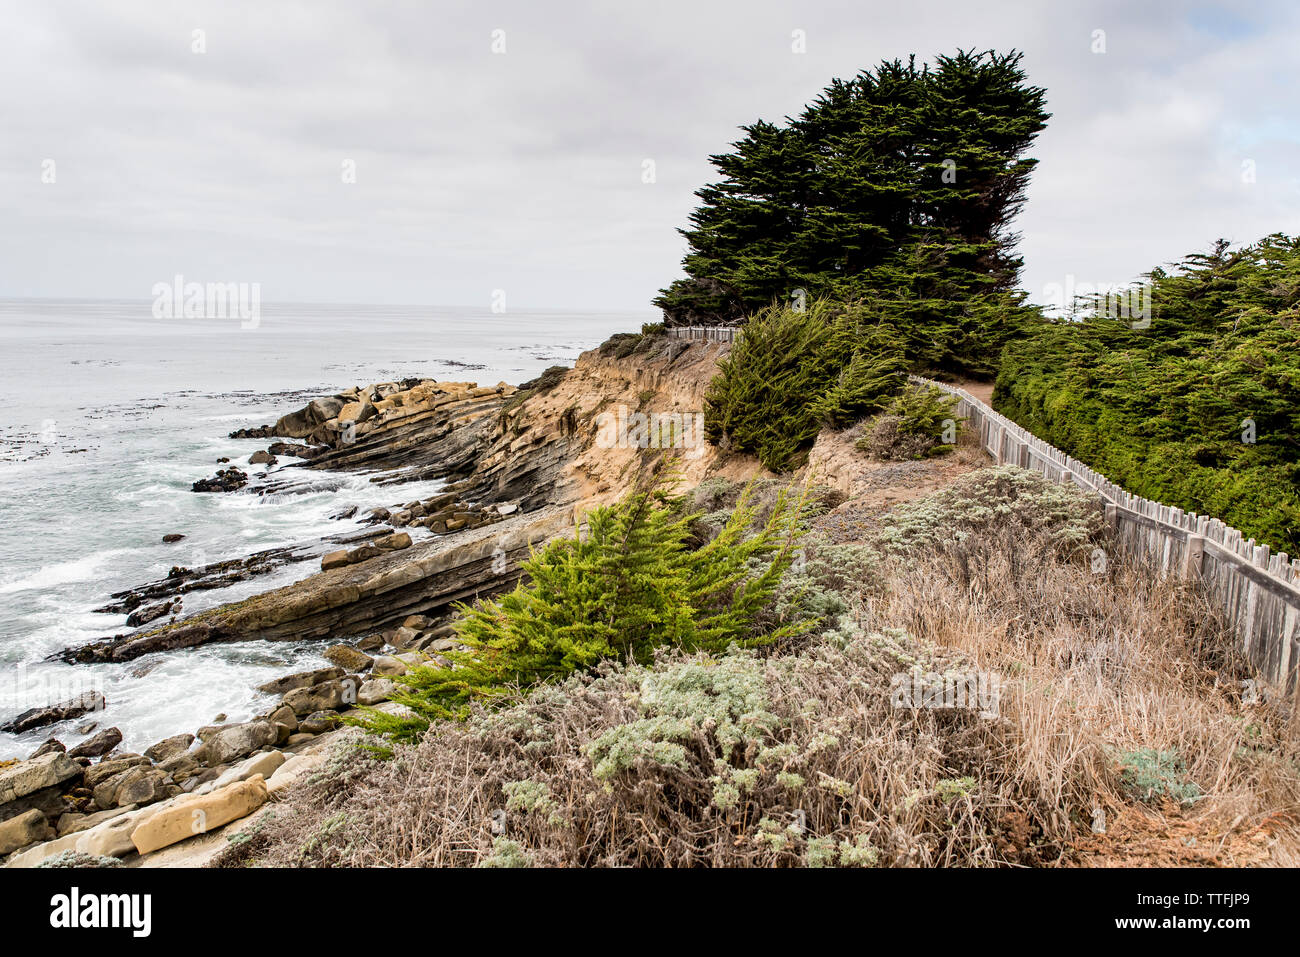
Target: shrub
[(793, 372), (1151, 775), (918, 423), (627, 586), (1201, 409)]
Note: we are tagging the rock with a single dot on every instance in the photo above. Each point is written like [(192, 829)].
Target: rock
[(377, 516), (328, 695), (300, 679), (169, 748), (264, 763), (49, 747), (295, 769), (402, 637), (334, 560), (97, 746), (28, 777), (371, 643), (395, 542), (172, 538), (388, 665), (299, 738), (373, 692), (199, 815), (111, 767), (139, 786), (182, 767), (229, 743), (318, 722), (39, 717), (285, 721), (348, 658), (344, 513), (27, 828), (150, 613), (226, 480), (77, 823), (113, 837), (417, 622), (261, 458)]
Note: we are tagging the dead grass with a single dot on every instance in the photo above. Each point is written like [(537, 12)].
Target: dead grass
[(804, 757)]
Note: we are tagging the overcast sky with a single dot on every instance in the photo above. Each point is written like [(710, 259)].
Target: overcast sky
[(522, 170)]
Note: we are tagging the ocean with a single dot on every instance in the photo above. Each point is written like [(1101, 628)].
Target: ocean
[(110, 414)]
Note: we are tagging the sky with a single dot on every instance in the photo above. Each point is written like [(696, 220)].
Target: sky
[(544, 154)]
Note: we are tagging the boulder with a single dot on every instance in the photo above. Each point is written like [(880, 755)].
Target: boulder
[(231, 742), (199, 815), (51, 745), (142, 616), (172, 537), (264, 763), (318, 722), (97, 746), (261, 457), (225, 480), (141, 786), (326, 696), (76, 823), (28, 777), (373, 692), (112, 767), (395, 542), (387, 666), (336, 559), (301, 679), (27, 828), (347, 658), (39, 717), (169, 748)]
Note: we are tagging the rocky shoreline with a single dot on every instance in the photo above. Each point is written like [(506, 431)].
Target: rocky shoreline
[(520, 466)]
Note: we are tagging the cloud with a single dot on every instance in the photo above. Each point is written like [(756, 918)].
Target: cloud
[(523, 171)]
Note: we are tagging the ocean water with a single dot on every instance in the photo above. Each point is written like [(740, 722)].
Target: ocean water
[(110, 414)]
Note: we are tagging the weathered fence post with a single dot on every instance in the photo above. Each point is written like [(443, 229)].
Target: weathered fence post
[(1195, 557)]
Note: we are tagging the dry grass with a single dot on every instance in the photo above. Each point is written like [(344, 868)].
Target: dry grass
[(802, 757)]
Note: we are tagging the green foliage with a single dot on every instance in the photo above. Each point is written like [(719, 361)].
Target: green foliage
[(629, 585), (897, 188), (913, 426), (793, 372), (1151, 775), (1163, 410)]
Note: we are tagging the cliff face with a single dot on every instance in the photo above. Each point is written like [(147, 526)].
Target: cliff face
[(582, 441), (536, 459)]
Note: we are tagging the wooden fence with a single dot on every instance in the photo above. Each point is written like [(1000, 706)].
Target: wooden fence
[(711, 333), (1259, 590)]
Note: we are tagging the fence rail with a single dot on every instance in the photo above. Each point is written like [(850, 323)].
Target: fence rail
[(711, 333), (1258, 590)]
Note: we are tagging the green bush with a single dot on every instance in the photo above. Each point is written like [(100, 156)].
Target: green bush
[(1200, 409), (629, 585), (793, 372), (1151, 775), (919, 423)]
